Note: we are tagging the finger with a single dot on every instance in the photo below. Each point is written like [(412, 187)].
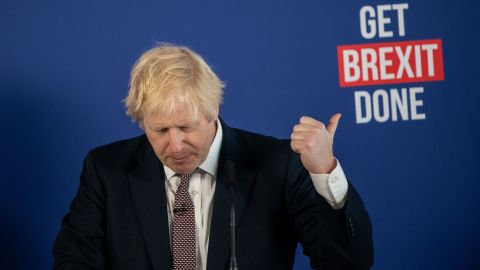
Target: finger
[(310, 121), (296, 146), (303, 128), (300, 135), (297, 136), (333, 123)]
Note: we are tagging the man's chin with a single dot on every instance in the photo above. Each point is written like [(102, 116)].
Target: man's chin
[(181, 167)]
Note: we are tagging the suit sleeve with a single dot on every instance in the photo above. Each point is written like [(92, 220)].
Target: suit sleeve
[(80, 243), (331, 238)]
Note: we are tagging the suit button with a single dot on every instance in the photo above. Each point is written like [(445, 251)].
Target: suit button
[(352, 228)]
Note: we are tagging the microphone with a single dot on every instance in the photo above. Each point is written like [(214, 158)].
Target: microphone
[(230, 174)]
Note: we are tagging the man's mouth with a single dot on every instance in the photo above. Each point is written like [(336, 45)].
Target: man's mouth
[(179, 158)]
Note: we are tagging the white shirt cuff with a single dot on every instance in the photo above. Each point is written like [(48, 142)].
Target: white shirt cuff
[(333, 187)]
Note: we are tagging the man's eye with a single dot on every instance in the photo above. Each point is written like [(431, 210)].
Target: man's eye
[(161, 130), (185, 128)]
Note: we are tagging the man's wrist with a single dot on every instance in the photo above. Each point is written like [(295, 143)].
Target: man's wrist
[(327, 168), (333, 187)]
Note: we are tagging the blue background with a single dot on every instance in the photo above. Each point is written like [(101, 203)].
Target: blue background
[(64, 70)]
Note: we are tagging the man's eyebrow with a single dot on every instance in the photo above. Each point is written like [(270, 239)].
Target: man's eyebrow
[(187, 123), (156, 127)]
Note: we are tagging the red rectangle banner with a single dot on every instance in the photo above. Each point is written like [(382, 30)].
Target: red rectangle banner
[(390, 62)]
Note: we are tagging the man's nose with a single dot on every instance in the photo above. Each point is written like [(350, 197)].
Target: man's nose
[(176, 140)]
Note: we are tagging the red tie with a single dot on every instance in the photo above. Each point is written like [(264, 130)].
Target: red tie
[(183, 228)]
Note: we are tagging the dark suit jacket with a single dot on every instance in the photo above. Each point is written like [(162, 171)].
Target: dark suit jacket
[(118, 219)]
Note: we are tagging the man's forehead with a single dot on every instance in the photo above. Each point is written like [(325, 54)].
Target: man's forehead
[(181, 114), (172, 119)]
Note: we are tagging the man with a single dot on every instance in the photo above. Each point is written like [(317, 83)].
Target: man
[(162, 201)]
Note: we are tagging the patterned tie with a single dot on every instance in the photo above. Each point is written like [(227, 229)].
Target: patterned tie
[(183, 228)]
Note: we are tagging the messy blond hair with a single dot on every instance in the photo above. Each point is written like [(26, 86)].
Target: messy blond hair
[(167, 75)]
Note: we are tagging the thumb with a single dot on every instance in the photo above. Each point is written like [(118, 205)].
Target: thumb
[(333, 123)]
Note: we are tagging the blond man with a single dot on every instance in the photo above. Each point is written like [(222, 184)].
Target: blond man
[(162, 200)]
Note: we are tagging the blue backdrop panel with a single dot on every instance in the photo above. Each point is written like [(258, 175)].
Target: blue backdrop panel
[(64, 69)]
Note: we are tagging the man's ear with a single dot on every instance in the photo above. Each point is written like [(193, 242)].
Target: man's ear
[(215, 114), (141, 125)]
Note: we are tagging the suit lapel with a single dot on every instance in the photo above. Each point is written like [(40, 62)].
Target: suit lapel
[(147, 184), (219, 243)]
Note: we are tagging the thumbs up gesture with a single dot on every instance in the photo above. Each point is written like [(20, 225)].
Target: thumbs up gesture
[(314, 142)]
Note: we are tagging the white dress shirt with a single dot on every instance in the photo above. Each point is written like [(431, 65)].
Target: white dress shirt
[(333, 187)]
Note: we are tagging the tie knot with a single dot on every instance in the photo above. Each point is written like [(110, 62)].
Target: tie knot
[(187, 176)]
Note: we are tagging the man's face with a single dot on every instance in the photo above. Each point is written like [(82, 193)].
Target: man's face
[(180, 140)]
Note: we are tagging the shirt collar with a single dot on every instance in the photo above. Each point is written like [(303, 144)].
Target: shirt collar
[(210, 165)]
